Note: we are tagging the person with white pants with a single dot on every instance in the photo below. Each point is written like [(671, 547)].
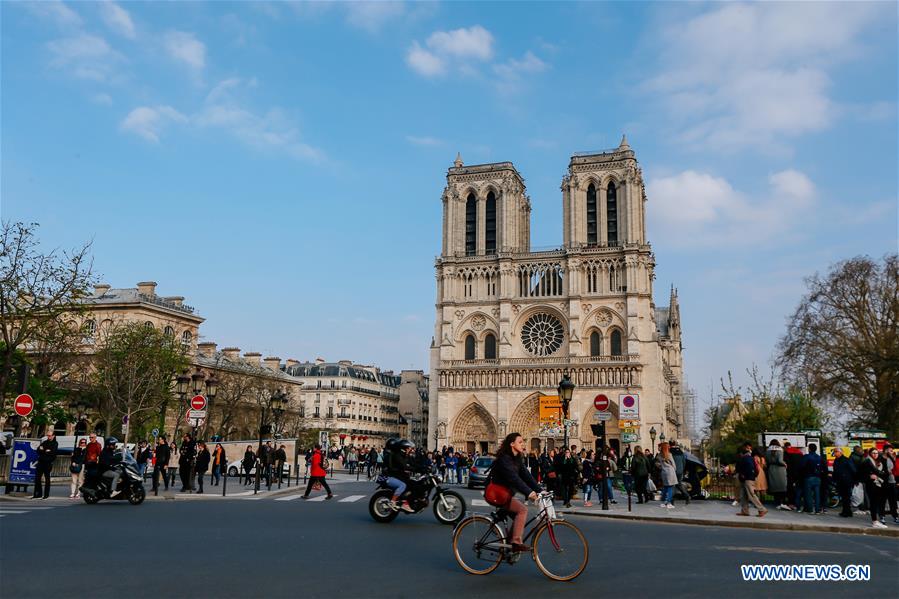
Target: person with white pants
[(78, 456)]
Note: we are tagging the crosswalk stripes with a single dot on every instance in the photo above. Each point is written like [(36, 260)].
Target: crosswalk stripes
[(288, 498), (318, 498), (351, 498), (479, 502), (17, 510)]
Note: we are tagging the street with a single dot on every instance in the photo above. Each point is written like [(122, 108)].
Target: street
[(285, 547)]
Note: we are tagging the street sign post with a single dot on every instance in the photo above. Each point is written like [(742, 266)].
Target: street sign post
[(155, 432), (629, 406), (601, 403), (628, 423), (23, 465), (24, 404), (603, 416), (630, 437), (198, 402)]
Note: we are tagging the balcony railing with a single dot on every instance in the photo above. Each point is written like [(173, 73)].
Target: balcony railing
[(540, 361)]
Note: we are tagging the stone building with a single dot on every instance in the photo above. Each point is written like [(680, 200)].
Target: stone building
[(414, 405), (511, 321)]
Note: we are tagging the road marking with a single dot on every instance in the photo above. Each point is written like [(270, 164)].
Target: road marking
[(4, 512), (319, 498), (351, 498), (479, 502), (288, 498), (776, 550)]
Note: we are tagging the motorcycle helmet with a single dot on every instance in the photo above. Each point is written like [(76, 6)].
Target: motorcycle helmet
[(391, 443), (111, 442), (405, 444)]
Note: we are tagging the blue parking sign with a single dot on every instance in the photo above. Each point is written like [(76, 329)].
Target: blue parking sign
[(23, 461)]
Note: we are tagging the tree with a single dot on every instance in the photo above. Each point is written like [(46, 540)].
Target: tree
[(842, 342), (135, 365), (39, 300), (235, 391)]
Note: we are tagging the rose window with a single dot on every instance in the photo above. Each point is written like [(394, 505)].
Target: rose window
[(542, 334)]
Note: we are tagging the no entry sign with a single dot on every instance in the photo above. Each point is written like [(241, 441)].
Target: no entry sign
[(601, 402), (198, 402), (24, 405)]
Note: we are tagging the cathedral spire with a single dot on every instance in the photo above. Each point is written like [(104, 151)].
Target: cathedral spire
[(458, 162), (624, 145)]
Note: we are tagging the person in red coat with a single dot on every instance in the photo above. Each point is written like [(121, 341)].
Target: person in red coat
[(317, 474)]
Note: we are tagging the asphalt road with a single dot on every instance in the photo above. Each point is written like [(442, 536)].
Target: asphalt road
[(292, 548)]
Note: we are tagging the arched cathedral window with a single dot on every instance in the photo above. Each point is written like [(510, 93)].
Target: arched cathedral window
[(469, 347), (490, 224), (612, 214), (489, 347), (471, 225), (616, 342), (591, 214), (595, 344)]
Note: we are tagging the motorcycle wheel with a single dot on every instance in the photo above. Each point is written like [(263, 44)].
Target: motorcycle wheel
[(137, 495), (90, 499), (456, 510), (379, 506)]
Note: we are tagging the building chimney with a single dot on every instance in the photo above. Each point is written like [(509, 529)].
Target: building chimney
[(292, 362), (231, 354), (100, 289), (319, 360), (175, 299), (147, 288), (254, 358), (207, 348), (272, 363)]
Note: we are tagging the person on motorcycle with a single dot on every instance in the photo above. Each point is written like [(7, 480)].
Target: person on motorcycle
[(109, 459), (397, 467)]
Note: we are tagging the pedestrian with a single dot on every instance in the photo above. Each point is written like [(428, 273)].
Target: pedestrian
[(793, 457), (202, 465), (777, 474), (161, 466), (874, 474), (280, 460), (844, 475), (746, 474), (218, 463), (142, 458), (761, 480), (451, 464), (857, 456), (91, 459), (174, 459), (890, 466), (77, 468), (587, 474), (318, 474), (680, 467), (353, 459), (186, 462), (462, 467), (610, 466), (640, 472), (46, 455), (249, 460), (667, 474), (812, 466), (266, 455)]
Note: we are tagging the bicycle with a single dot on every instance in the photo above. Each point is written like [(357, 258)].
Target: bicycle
[(559, 548)]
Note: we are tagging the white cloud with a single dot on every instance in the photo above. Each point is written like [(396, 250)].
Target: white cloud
[(424, 141), (84, 56), (148, 121), (272, 130), (458, 47), (61, 15), (424, 62), (744, 75), (372, 16), (511, 74), (104, 99), (186, 48), (117, 19), (699, 209)]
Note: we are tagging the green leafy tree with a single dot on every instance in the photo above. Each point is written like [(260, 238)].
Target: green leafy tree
[(842, 343), (135, 365)]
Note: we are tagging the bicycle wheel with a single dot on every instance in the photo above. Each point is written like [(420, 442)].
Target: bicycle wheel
[(560, 550), (476, 545)]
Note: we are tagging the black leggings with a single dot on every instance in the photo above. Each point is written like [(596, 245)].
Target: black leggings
[(875, 500), (640, 484)]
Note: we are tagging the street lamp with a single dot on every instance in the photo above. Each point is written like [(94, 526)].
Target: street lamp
[(80, 409), (181, 384), (211, 389), (662, 437), (566, 390), (652, 435)]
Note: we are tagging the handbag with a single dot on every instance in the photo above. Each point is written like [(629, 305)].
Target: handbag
[(497, 495), (650, 486)]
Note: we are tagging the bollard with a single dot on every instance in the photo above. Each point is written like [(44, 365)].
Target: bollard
[(225, 484)]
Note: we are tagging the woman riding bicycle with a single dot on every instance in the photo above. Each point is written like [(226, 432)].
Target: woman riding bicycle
[(510, 471)]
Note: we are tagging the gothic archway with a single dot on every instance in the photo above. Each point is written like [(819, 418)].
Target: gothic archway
[(474, 430), (525, 420)]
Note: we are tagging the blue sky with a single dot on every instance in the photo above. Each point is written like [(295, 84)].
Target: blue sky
[(281, 164)]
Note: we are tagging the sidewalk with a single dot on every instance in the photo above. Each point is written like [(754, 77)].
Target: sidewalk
[(715, 512)]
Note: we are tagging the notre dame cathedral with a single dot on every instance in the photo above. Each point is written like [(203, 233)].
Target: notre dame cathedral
[(511, 321)]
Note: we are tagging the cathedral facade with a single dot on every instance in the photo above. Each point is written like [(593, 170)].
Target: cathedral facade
[(511, 321)]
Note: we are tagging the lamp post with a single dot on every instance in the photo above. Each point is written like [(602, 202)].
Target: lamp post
[(200, 385), (80, 409), (181, 384), (277, 401), (566, 390), (662, 438), (212, 385), (652, 436)]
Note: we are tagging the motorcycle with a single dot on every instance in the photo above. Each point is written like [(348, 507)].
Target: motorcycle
[(449, 506), (130, 483)]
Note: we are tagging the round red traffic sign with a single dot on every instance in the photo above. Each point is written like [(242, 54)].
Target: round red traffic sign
[(24, 405), (198, 402), (601, 402)]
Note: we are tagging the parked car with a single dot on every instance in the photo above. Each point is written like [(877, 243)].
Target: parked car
[(477, 475), (236, 469)]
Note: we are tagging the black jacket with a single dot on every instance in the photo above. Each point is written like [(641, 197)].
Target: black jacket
[(46, 451), (397, 465), (78, 455), (143, 455), (511, 472), (163, 453), (844, 471), (249, 458), (203, 460), (746, 467)]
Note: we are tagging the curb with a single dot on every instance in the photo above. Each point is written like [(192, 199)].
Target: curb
[(879, 532)]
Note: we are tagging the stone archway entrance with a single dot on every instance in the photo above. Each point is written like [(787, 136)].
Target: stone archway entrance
[(525, 421), (474, 430)]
